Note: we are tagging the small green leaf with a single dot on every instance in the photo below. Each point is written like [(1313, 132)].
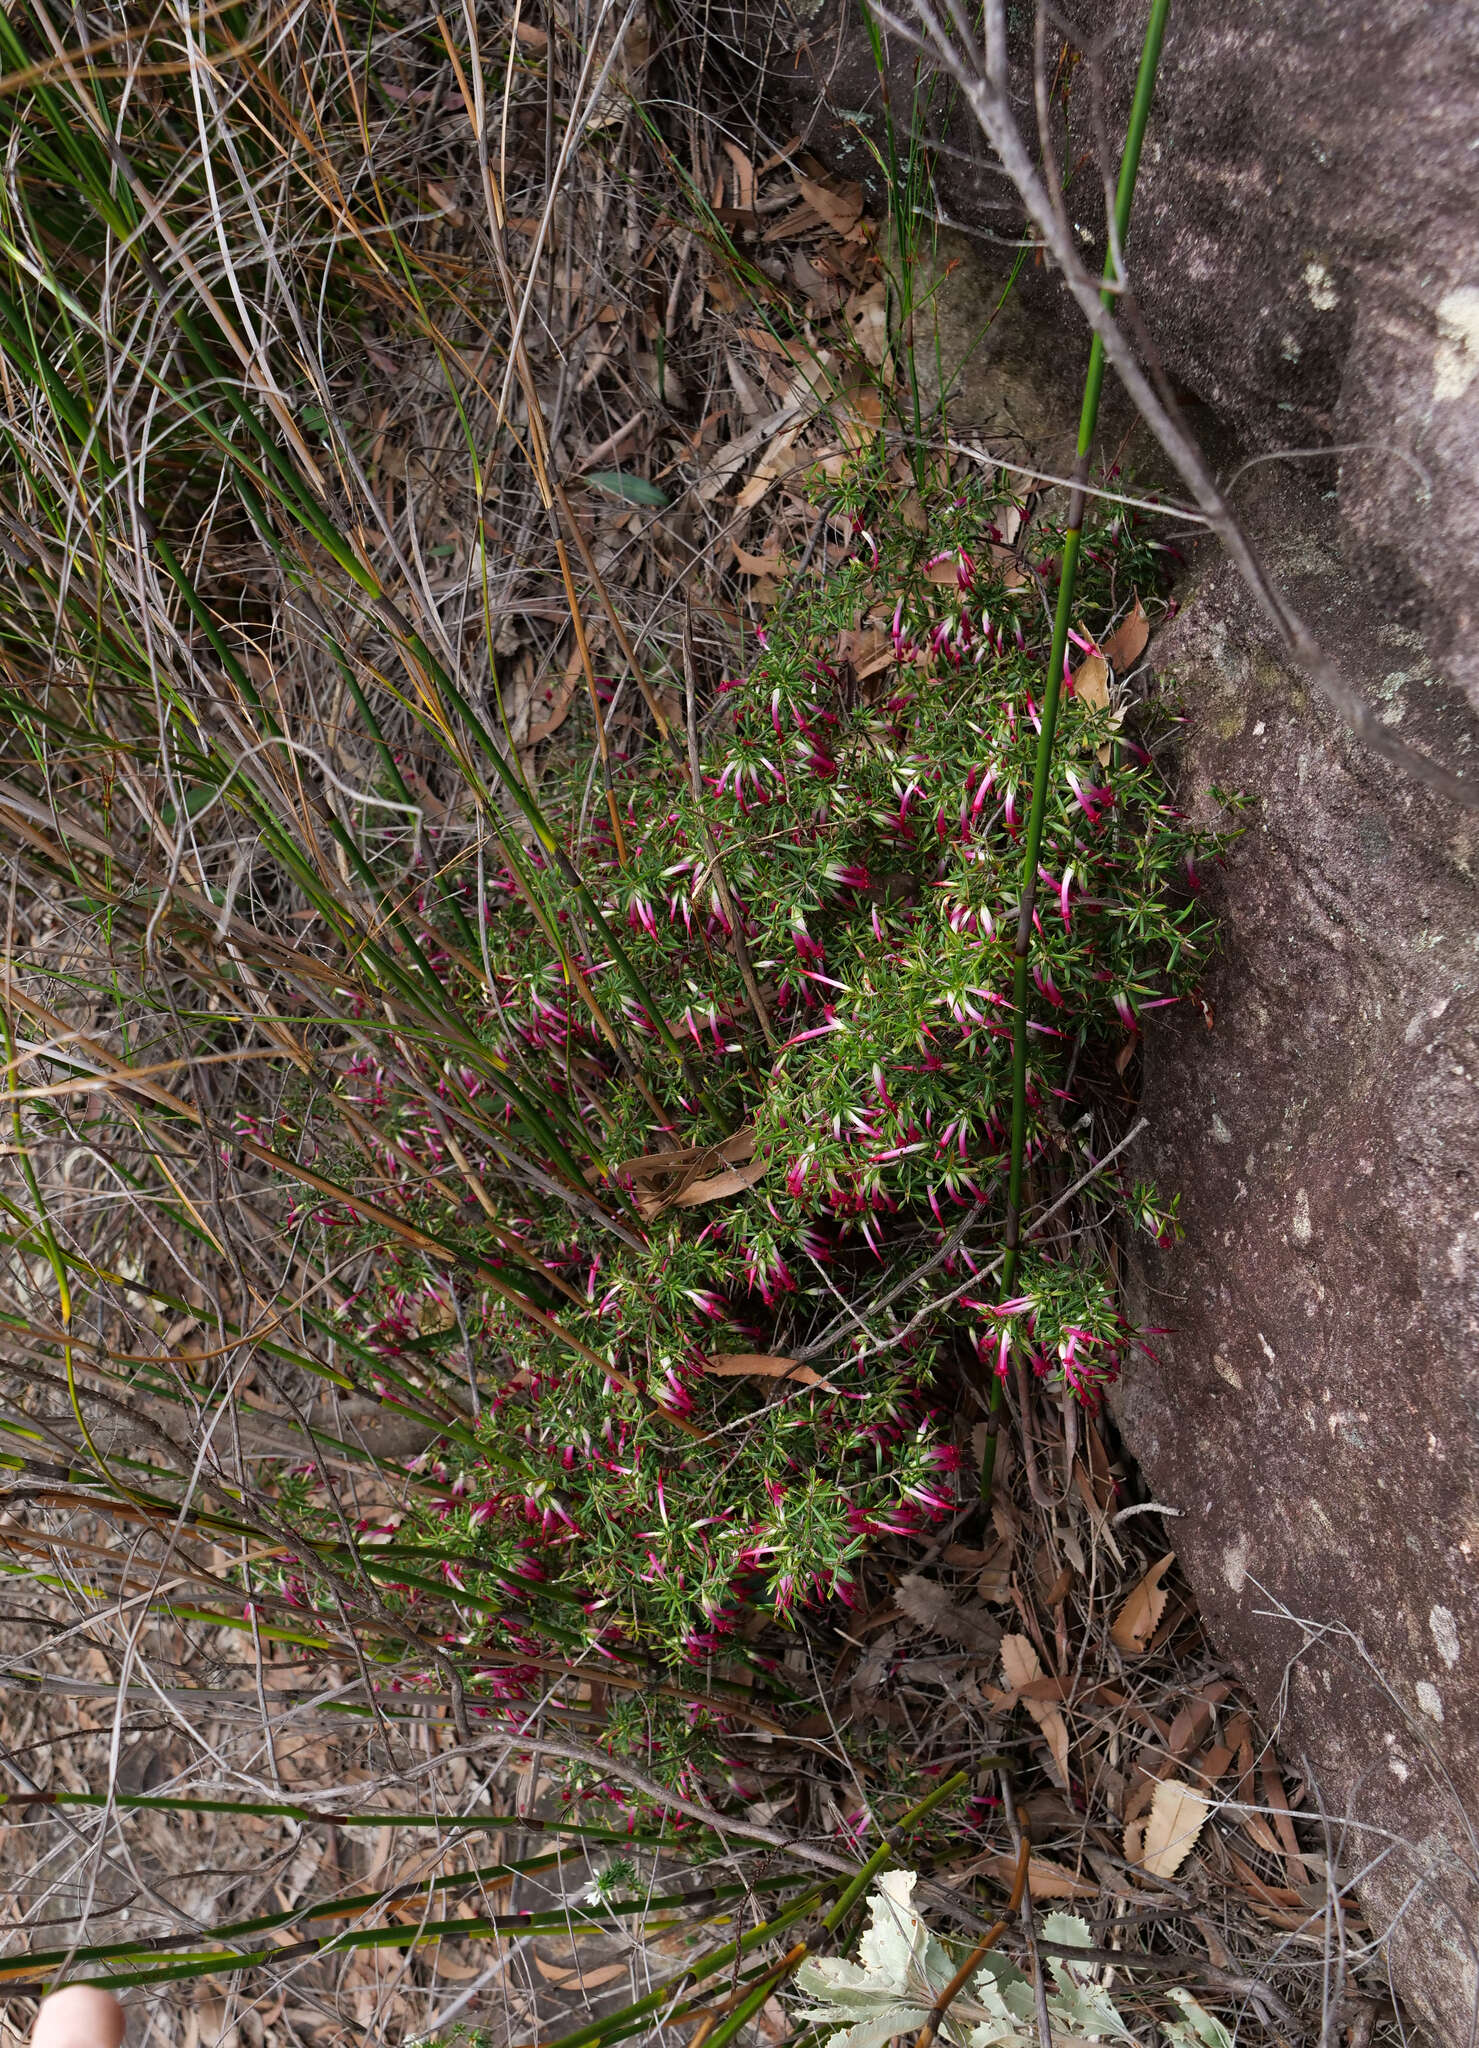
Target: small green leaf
[(196, 799), (635, 489)]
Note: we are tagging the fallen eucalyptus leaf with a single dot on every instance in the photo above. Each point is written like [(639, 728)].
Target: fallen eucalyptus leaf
[(1127, 642), (740, 1364)]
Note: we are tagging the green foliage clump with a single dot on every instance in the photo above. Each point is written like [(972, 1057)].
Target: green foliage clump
[(770, 1216)]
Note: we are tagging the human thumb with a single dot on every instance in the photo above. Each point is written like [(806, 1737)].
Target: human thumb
[(81, 2016)]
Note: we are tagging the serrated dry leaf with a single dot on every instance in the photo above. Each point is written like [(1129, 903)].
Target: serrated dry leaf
[(1139, 1618), (1127, 642), (841, 210), (1178, 1813), (1193, 1722), (1091, 682), (1020, 1666), (732, 1365), (801, 220), (932, 1606)]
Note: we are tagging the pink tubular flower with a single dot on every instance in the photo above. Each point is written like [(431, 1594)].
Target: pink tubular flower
[(772, 1279), (677, 1397), (1046, 986), (1092, 799)]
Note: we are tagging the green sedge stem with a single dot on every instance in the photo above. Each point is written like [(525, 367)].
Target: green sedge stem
[(310, 1816), (1150, 55), (554, 1920)]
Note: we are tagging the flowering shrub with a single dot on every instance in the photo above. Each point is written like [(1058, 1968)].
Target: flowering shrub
[(718, 1201)]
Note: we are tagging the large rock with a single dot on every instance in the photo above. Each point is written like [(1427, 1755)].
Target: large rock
[(1303, 245), (1304, 253), (1314, 1410)]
